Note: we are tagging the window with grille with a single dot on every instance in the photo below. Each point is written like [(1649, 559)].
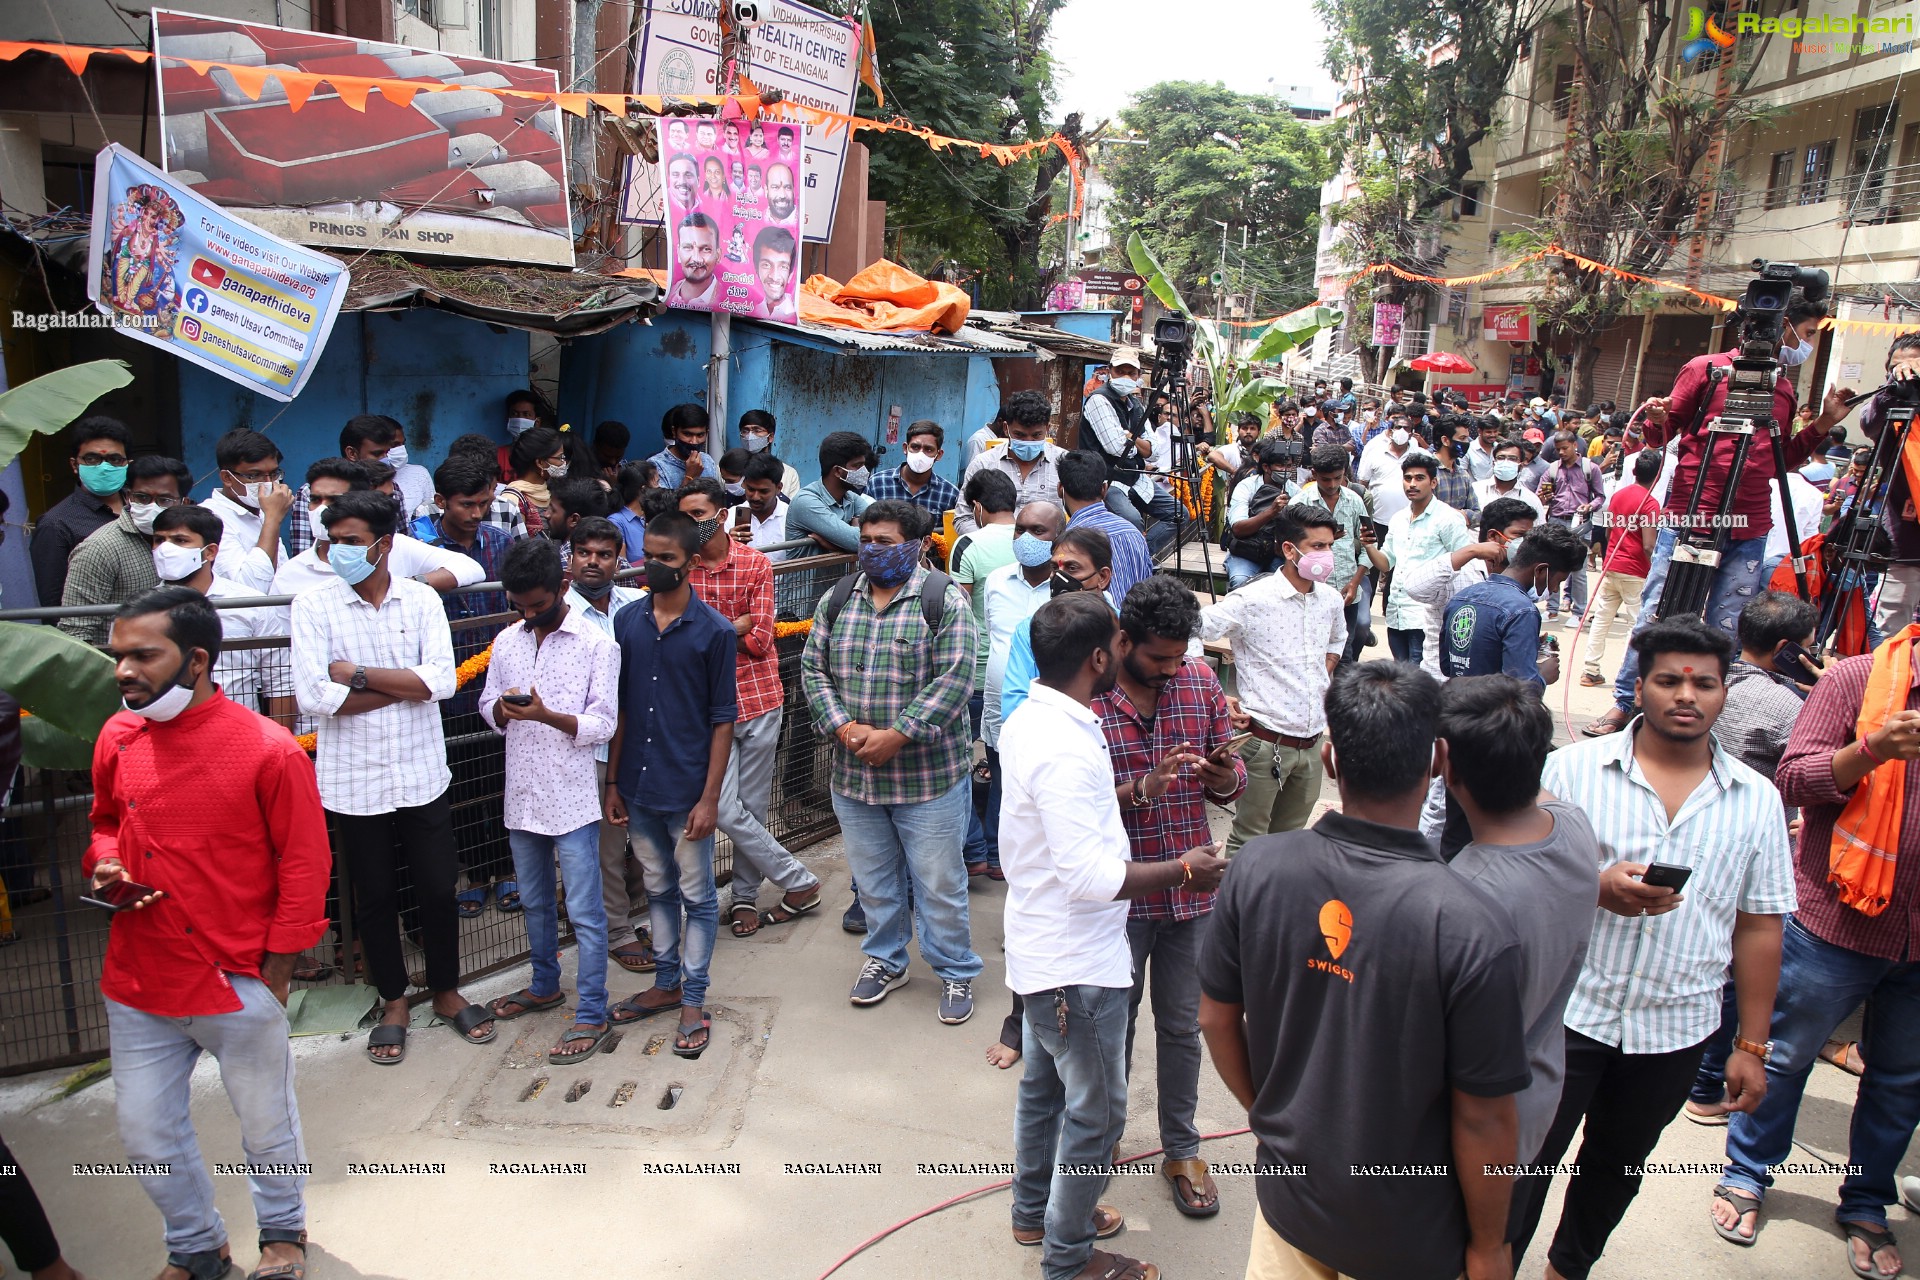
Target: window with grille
[(1816, 172), (1780, 180)]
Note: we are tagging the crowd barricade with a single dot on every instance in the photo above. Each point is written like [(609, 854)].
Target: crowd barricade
[(51, 1011)]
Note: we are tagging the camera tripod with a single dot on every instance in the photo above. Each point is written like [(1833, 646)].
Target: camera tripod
[(1184, 464), (1855, 532)]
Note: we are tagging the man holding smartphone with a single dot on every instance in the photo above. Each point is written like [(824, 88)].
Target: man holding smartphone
[(207, 814), (1168, 732)]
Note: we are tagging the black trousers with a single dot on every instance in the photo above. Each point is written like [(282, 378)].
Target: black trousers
[(1626, 1100), (375, 846), (23, 1223)]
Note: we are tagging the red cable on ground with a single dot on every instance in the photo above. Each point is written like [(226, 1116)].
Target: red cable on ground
[(948, 1203)]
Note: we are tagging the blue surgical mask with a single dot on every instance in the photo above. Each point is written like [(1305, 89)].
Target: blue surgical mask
[(1125, 386), (1026, 450), (1505, 469), (1791, 356), (351, 563), (1032, 552), (102, 479)]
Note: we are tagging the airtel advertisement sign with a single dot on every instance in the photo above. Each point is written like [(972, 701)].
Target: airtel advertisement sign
[(1507, 324)]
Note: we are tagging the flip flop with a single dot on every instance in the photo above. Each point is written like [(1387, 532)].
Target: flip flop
[(526, 1001), (636, 1011), (282, 1270), (502, 892), (688, 1052), (1745, 1203), (1613, 721), (1877, 1238), (588, 1043), (469, 903), (1107, 1223), (1198, 1179), (748, 927), (641, 961), (470, 1017), (790, 911), (386, 1036)]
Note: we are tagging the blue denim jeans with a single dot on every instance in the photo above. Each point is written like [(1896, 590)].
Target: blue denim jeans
[(1241, 571), (1737, 581), (685, 869), (894, 849), (153, 1059), (1710, 1082), (1071, 1110), (980, 849), (1820, 984), (577, 854)]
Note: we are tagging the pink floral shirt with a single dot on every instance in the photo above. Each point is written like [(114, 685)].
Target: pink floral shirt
[(550, 786)]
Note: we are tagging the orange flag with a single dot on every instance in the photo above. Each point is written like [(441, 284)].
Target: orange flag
[(869, 65)]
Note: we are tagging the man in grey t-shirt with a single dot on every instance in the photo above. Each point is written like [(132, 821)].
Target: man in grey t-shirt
[(1539, 861)]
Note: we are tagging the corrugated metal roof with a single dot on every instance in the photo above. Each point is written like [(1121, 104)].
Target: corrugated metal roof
[(1009, 324), (972, 340)]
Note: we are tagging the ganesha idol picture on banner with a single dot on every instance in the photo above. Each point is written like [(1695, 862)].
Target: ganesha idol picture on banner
[(732, 216), (136, 277)]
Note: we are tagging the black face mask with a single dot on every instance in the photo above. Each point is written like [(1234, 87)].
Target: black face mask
[(591, 592), (1062, 585), (662, 578), (682, 448), (549, 619)]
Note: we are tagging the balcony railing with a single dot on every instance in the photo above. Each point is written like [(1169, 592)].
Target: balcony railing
[(1891, 194)]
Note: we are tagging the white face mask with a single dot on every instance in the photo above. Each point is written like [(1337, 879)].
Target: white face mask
[(396, 457), (1371, 416), (143, 515), (171, 701), (313, 523), (516, 425), (1791, 356), (754, 441), (1400, 436), (175, 563), (1506, 469), (251, 494), (920, 463), (557, 470)]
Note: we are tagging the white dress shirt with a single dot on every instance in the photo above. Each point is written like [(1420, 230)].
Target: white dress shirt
[(1379, 471), (762, 534), (1281, 638), (603, 623), (393, 757), (410, 558), (244, 674), (1063, 849), (551, 788), (240, 558), (1484, 491), (1010, 602), (415, 484)]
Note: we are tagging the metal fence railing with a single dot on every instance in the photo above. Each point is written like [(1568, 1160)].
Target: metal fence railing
[(50, 1005)]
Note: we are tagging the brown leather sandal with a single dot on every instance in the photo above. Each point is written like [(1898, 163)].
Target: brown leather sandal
[(1111, 1266), (1107, 1223), (1612, 722), (1199, 1198), (1844, 1054)]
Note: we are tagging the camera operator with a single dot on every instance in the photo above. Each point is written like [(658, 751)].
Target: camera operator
[(1117, 429), (1697, 398), (1900, 587), (1254, 505)]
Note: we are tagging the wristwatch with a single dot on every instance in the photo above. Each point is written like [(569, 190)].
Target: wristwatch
[(359, 679), (1764, 1052)]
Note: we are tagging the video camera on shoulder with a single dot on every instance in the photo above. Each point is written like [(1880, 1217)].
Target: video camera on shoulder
[(1765, 304)]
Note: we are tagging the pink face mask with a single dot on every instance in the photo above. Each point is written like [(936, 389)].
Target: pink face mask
[(1315, 566)]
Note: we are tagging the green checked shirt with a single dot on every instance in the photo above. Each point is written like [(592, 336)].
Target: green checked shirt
[(884, 669), (112, 565)]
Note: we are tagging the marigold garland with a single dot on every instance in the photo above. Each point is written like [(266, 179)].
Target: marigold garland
[(1183, 490), (463, 675)]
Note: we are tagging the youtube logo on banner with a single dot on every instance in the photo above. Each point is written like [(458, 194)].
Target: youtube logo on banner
[(208, 273)]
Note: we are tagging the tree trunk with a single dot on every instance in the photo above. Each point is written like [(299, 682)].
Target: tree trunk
[(1586, 354)]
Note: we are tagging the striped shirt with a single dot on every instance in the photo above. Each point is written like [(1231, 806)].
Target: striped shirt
[(1651, 984)]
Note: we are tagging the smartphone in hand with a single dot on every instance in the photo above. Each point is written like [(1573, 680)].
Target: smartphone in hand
[(1665, 875), (118, 895)]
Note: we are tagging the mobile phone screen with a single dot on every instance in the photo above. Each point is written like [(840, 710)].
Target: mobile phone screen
[(742, 517), (118, 895), (1663, 875)]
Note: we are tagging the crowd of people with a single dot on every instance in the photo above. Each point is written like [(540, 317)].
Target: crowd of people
[(1372, 965)]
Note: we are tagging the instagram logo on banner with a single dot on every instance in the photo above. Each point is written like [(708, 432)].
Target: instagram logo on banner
[(189, 328)]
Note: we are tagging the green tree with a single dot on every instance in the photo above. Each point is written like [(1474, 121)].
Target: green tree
[(969, 69), (1215, 156), (1431, 77), (1630, 188)]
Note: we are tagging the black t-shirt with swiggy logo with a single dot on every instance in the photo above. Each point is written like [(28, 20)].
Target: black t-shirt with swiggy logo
[(1375, 981)]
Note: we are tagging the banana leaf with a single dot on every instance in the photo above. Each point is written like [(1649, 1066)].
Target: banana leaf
[(68, 687), (1149, 268), (1293, 330), (49, 402)]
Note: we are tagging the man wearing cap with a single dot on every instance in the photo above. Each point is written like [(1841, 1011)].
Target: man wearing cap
[(1118, 430)]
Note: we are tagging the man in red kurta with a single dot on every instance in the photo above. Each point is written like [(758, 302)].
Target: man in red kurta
[(214, 809)]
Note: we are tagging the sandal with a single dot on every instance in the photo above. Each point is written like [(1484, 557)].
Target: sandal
[(583, 1044), (785, 910), (1107, 1223), (750, 925), (1876, 1238), (635, 1011), (682, 1046), (1111, 1266), (506, 897), (1201, 1198), (467, 1019), (308, 969), (1743, 1203), (470, 902), (1844, 1054), (1590, 681), (209, 1264), (385, 1036), (640, 961), (281, 1270), (523, 1002), (1612, 722)]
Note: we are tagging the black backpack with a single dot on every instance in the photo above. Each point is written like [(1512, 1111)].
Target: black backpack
[(933, 599)]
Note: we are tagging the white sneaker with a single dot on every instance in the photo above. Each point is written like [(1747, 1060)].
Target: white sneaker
[(1910, 1193), (1573, 622)]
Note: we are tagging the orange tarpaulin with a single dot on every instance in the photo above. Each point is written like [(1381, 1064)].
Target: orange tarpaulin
[(885, 296)]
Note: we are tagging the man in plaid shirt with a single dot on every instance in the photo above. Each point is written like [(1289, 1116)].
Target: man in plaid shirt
[(892, 692), (738, 582), (1168, 731)]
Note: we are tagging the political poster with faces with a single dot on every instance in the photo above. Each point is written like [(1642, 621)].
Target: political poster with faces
[(732, 214)]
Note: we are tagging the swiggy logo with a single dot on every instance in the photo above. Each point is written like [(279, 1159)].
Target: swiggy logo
[(1336, 930), (1703, 35)]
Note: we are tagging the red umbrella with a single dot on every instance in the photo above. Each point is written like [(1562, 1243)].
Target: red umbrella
[(1442, 362)]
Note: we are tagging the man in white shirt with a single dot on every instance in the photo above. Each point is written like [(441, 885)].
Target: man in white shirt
[(252, 501), (374, 437), (1503, 480), (1069, 880), (596, 599), (1424, 529), (182, 537), (1287, 632), (372, 653), (1379, 471), (439, 568)]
